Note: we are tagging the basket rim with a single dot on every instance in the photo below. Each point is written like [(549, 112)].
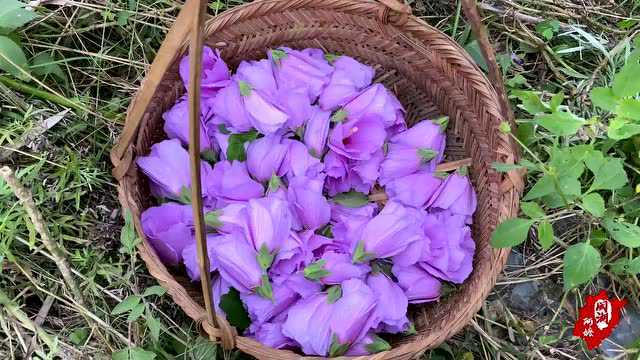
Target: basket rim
[(353, 8)]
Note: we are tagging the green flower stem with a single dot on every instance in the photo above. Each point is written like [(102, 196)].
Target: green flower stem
[(44, 95)]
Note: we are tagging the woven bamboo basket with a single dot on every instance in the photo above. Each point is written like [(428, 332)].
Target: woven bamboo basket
[(429, 73)]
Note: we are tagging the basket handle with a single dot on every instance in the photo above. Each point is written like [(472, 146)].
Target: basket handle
[(193, 96)]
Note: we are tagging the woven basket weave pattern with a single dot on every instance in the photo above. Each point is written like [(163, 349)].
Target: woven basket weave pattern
[(430, 74)]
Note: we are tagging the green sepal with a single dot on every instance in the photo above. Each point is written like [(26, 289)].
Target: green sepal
[(337, 349), (378, 345), (265, 257), (463, 171), (334, 293), (265, 290), (212, 219), (411, 330), (327, 231), (441, 174), (278, 54), (208, 155), (339, 116), (185, 195), (427, 155), (331, 57), (381, 267), (223, 129), (245, 88), (361, 256), (316, 270), (443, 122), (274, 183)]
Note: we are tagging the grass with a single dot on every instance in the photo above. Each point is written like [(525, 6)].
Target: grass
[(97, 55)]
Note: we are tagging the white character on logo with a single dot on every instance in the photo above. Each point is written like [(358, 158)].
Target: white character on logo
[(602, 313)]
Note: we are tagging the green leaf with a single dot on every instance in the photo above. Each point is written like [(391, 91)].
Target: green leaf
[(122, 17), (604, 98), (624, 233), (79, 336), (532, 210), (511, 232), (625, 82), (208, 156), (629, 108), (156, 290), (135, 353), (232, 306), (128, 237), (426, 155), (337, 349), (334, 293), (548, 28), (136, 312), (556, 101), (13, 15), (245, 88), (619, 266), (594, 204), (10, 53), (203, 349), (502, 167), (516, 81), (560, 123), (212, 219), (598, 238), (545, 234), (531, 102), (235, 149), (608, 171), (361, 256), (622, 128), (504, 127), (378, 345), (127, 304), (581, 264), (634, 266), (351, 199), (543, 187), (316, 270), (265, 257), (154, 326), (473, 48)]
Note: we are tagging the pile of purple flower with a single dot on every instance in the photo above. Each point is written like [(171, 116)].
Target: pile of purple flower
[(292, 147)]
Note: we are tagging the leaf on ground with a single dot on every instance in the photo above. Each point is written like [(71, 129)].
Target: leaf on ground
[(79, 336), (126, 305), (608, 172), (531, 102), (154, 290), (136, 312), (581, 263), (473, 48), (511, 232), (12, 58), (594, 204), (351, 199), (625, 82), (560, 123), (604, 98), (544, 186), (135, 353), (237, 316), (624, 233), (154, 326), (532, 209), (545, 234), (629, 108), (13, 15), (43, 64)]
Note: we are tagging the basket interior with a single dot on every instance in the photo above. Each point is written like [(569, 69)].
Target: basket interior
[(433, 80)]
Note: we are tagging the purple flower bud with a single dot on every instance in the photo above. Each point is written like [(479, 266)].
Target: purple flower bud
[(358, 138), (334, 268), (297, 69), (419, 286), (265, 157), (230, 181), (392, 303), (316, 132), (237, 262), (388, 233), (378, 102), (354, 313), (215, 73), (309, 205), (348, 78), (270, 334), (176, 125), (413, 190), (229, 108), (167, 166), (370, 344), (262, 310), (190, 257), (298, 161), (168, 228), (451, 248), (308, 324), (456, 194), (269, 223)]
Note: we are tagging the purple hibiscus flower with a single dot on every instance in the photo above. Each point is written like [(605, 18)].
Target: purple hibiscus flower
[(265, 157), (358, 138), (231, 182), (311, 208), (168, 228), (348, 78), (419, 286), (378, 102), (414, 190), (215, 73)]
